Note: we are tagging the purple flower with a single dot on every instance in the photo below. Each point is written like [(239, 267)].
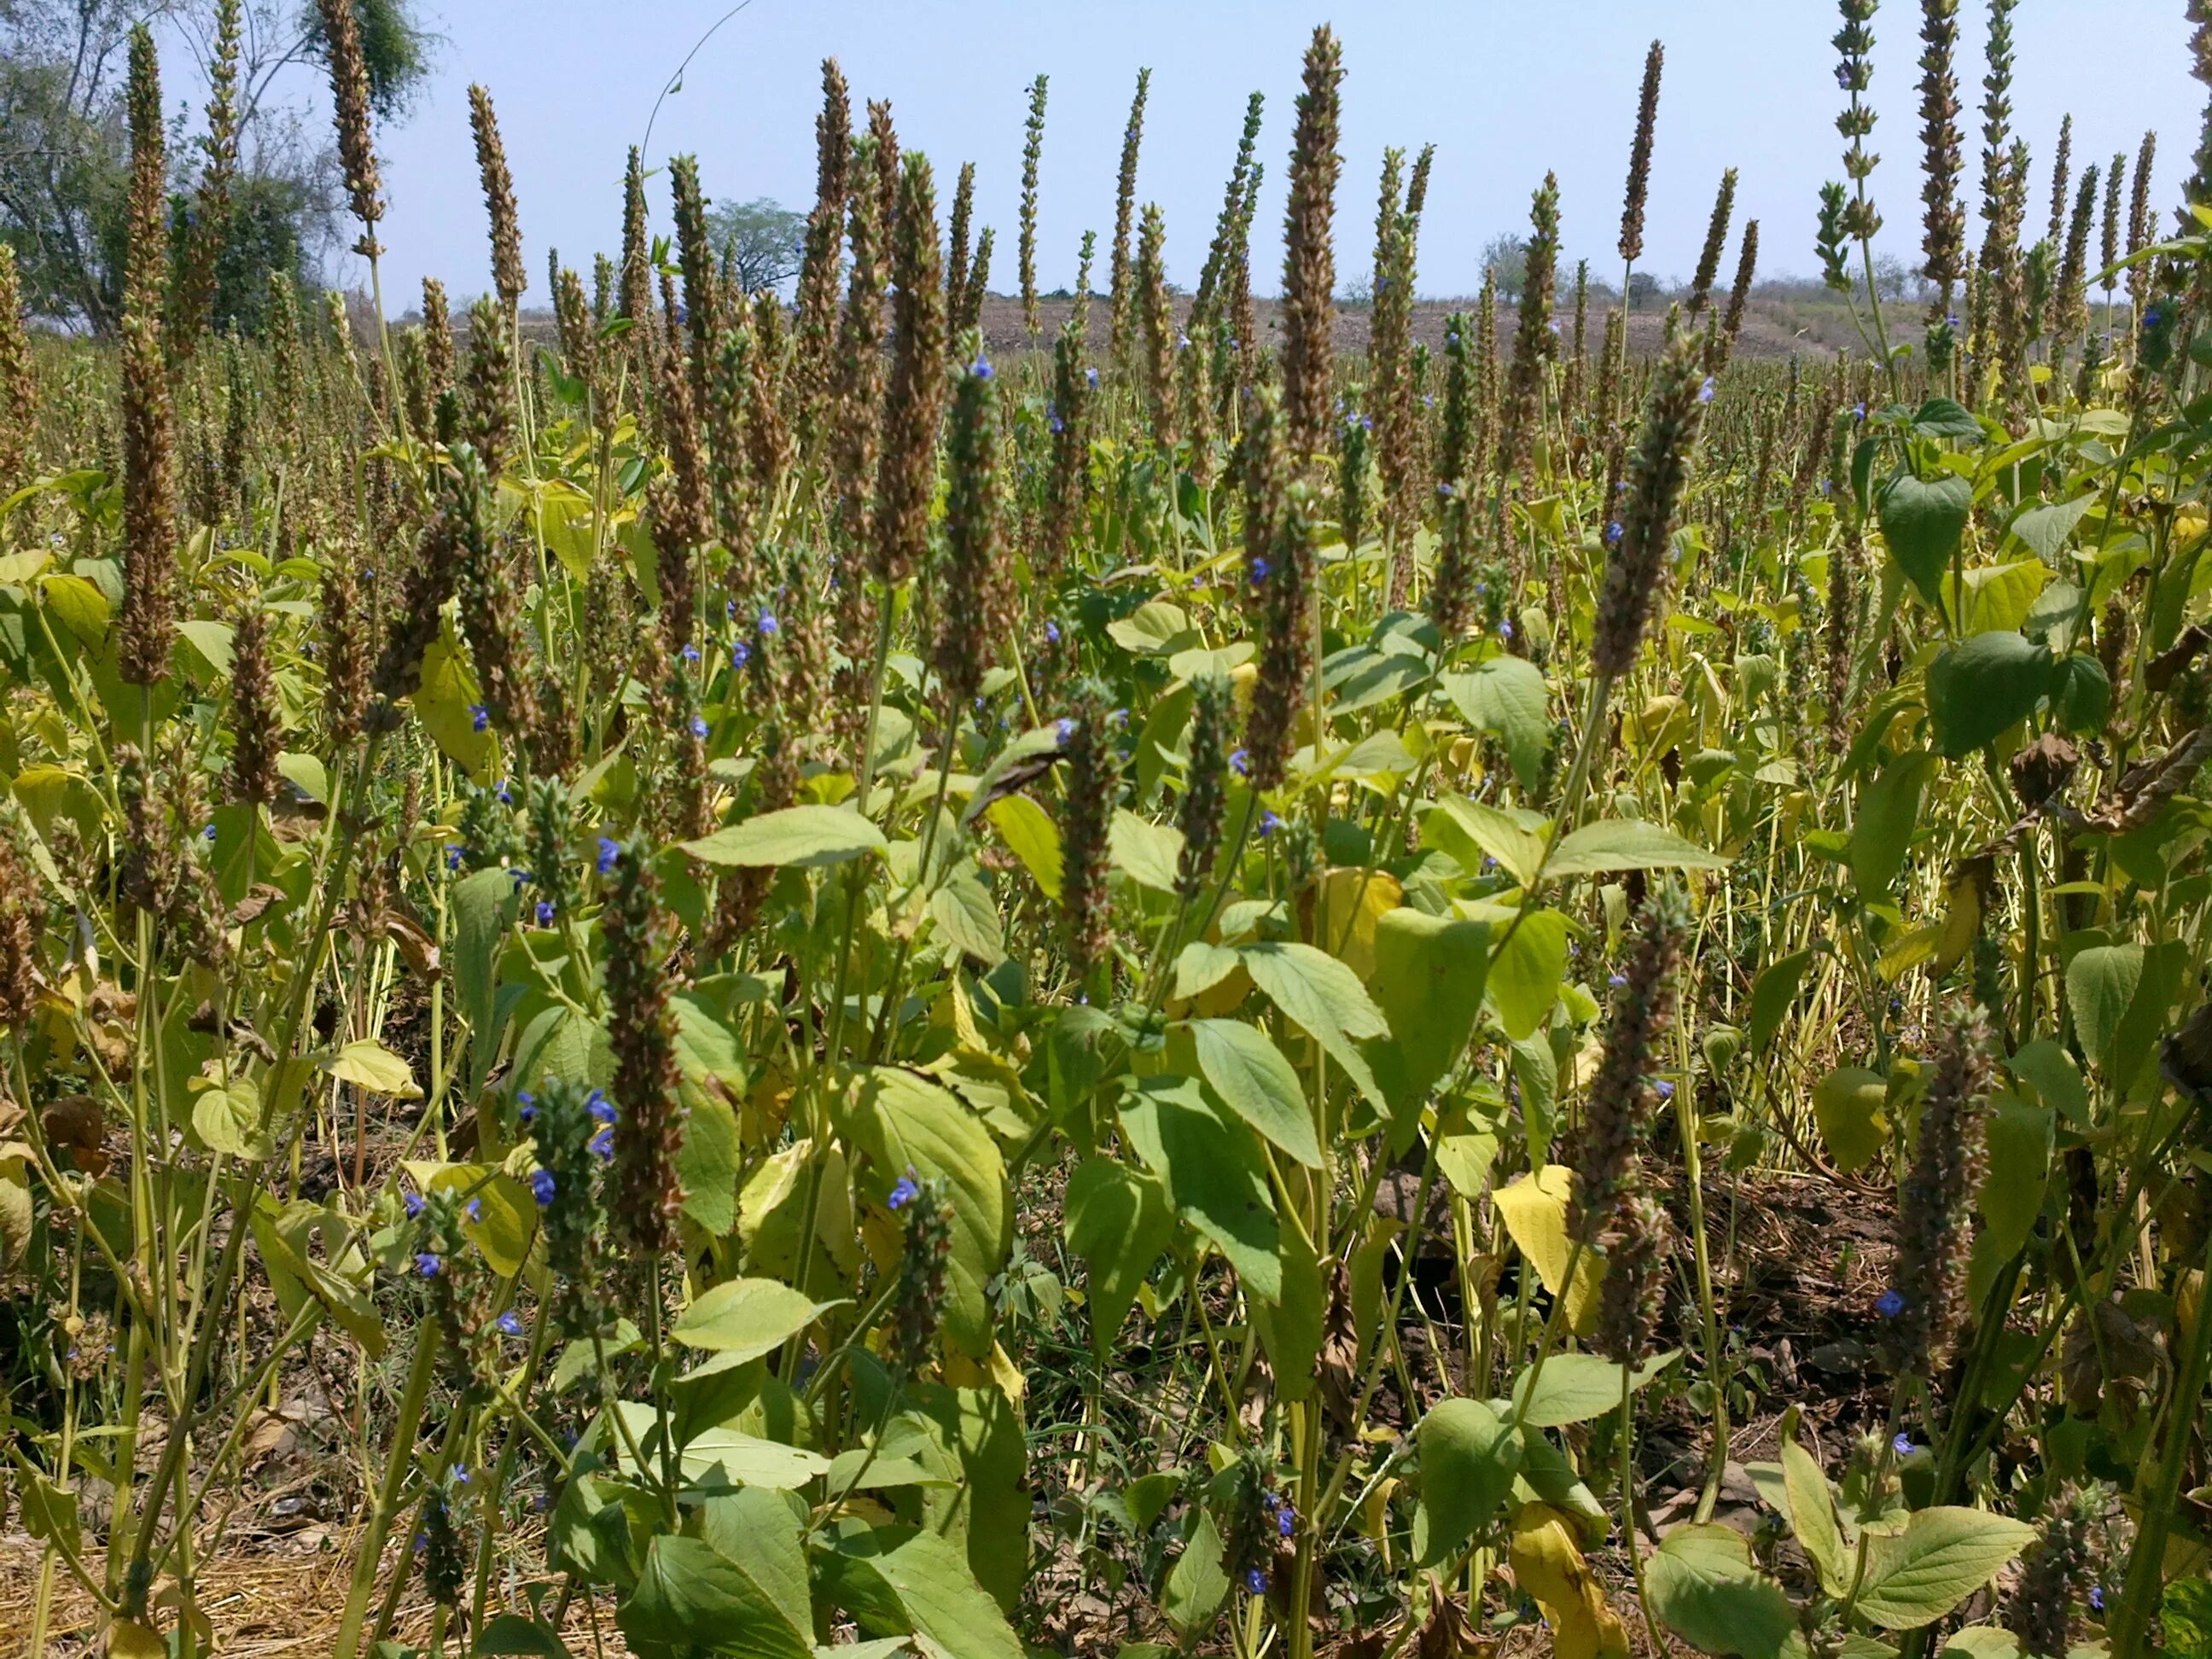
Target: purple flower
[(479, 717), (1259, 572), (601, 1108), (1616, 981), (1889, 1304), (740, 655), (1255, 1581), (209, 832), (543, 1186), (1903, 1446), (1705, 392), (690, 654), (981, 369), (904, 1192), (1090, 379), (520, 876), (769, 623), (455, 855), (545, 912), (1613, 533), (1505, 630), (1052, 633), (501, 794), (1286, 1522), (699, 726), (473, 1209), (1269, 824), (1663, 1089), (509, 1324), (603, 1144), (414, 1201), (1240, 762), (1064, 727), (428, 1264), (525, 1105), (610, 850), (2097, 1598)]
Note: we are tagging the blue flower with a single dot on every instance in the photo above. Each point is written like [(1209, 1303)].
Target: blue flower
[(1269, 824), (699, 726), (1616, 981), (1240, 762), (740, 655), (1052, 633), (1903, 1446), (1889, 1304), (520, 876), (690, 654), (981, 369), (1858, 411), (1613, 533), (543, 1186), (509, 1324), (545, 912), (479, 717), (428, 1264), (1259, 572), (501, 794), (2152, 316), (1705, 392), (603, 1144), (2097, 1598), (601, 1108), (610, 850), (1286, 1522), (1054, 424), (1505, 630), (413, 1201), (768, 623), (209, 832), (473, 1209), (1255, 1581), (1663, 1089), (903, 1194), (455, 855), (1090, 379)]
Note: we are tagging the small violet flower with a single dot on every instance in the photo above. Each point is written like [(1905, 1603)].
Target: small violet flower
[(1889, 1304), (903, 1194), (543, 1187), (479, 717)]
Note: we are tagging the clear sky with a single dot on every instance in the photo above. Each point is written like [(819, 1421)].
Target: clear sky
[(1505, 91)]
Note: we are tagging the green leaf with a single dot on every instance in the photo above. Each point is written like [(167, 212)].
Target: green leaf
[(1470, 830), (724, 1459), (926, 1578), (444, 703), (1998, 596), (228, 1118), (1704, 1588), (1976, 690), (1255, 1082), (966, 917), (805, 836), (906, 1121), (2118, 994), (565, 518), (1847, 1105), (1888, 812), (1198, 1583), (1118, 1221), (2081, 695), (212, 641), (2021, 1138), (1525, 970), (1598, 849), (481, 907), (1469, 1456), (1430, 974), (1985, 1641), (1290, 1326), (1032, 836), (690, 1596), (510, 1634), (1771, 995), (1813, 1512), (1577, 1387), (746, 1318), (1942, 1557), (1155, 628), (1939, 417), (81, 606), (1325, 998), (1211, 1167), (1923, 521), (2047, 529), (1507, 695), (1145, 852), (2048, 1069)]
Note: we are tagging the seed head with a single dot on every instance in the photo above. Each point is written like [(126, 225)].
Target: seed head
[(349, 89), (1621, 1095), (1308, 260), (147, 623), (1637, 572), (914, 402), (649, 1130), (1639, 156), (257, 736), (1933, 1228), (1094, 788), (1124, 206), (507, 273)]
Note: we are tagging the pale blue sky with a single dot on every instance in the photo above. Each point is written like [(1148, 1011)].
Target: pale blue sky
[(1505, 92)]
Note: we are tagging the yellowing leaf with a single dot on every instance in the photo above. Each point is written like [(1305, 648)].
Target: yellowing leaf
[(1548, 1564), (1534, 1210), (369, 1065), (1351, 902)]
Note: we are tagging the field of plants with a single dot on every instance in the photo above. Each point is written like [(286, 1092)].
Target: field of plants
[(748, 984)]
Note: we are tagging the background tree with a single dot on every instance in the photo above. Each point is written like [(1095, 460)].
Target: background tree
[(1507, 255), (760, 241), (63, 155)]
